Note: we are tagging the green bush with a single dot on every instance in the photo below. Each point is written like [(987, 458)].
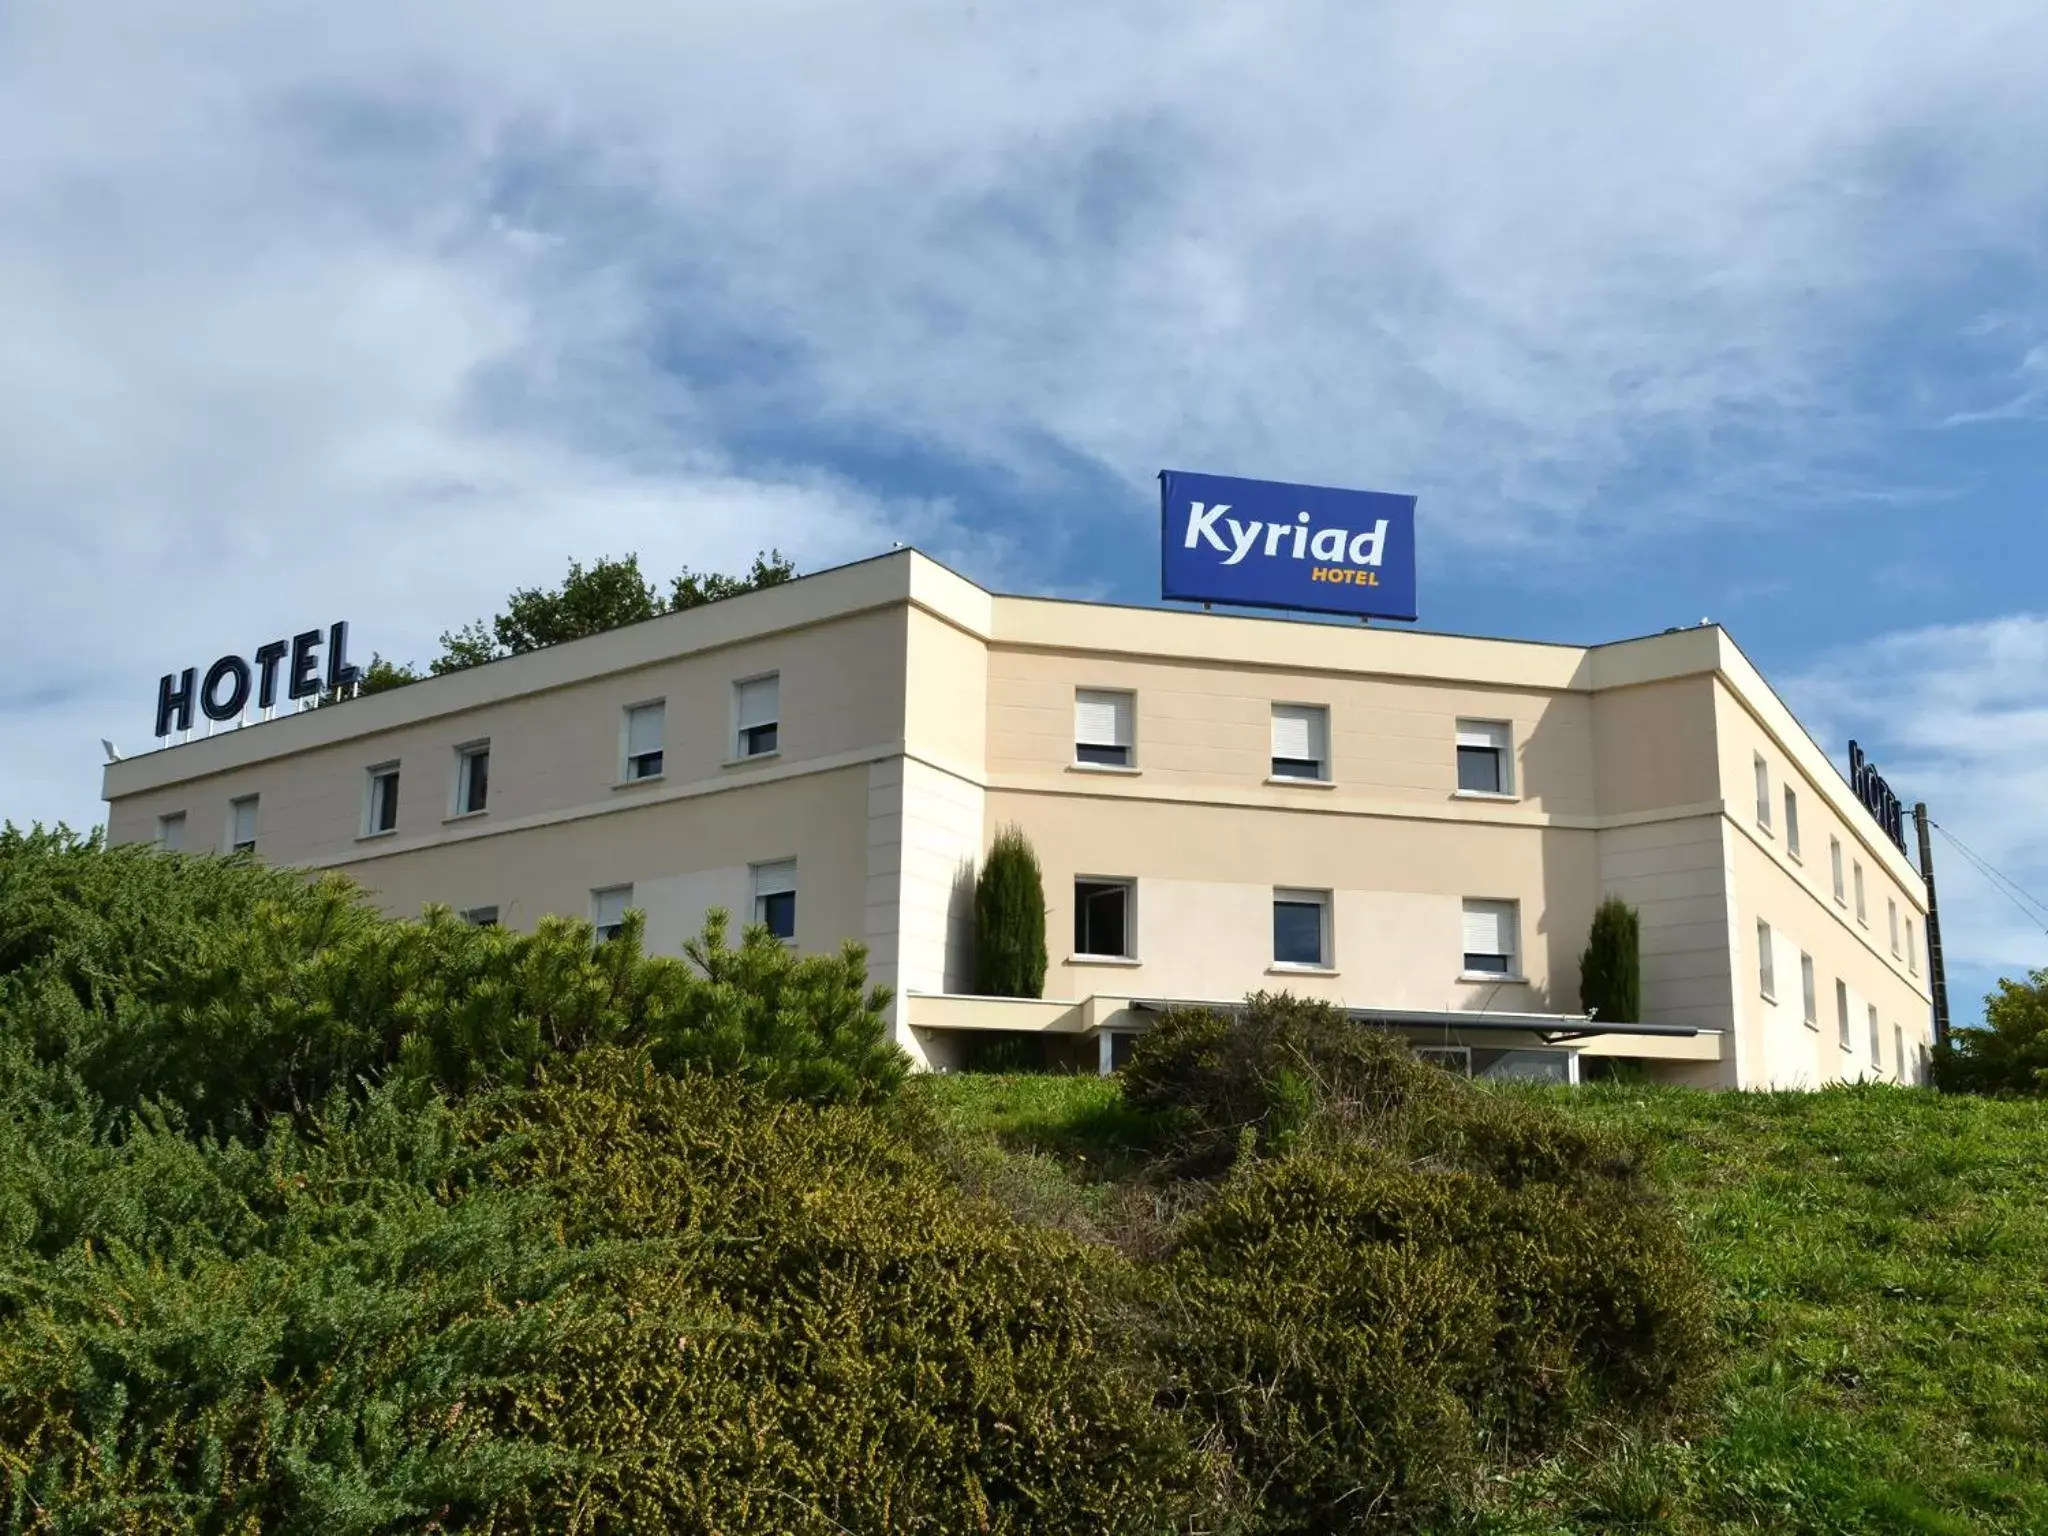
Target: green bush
[(2009, 1055), (236, 992), (619, 1300), (1009, 920), (1401, 1277), (1611, 970)]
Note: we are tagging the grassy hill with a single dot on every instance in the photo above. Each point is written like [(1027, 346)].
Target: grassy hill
[(1880, 1266)]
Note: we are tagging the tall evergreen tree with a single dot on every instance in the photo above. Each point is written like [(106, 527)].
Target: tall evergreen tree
[(1009, 920), (1611, 970)]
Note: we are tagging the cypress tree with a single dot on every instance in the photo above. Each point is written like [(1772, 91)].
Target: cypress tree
[(1611, 970), (1009, 920)]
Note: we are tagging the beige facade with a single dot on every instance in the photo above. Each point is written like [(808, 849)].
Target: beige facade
[(1219, 804)]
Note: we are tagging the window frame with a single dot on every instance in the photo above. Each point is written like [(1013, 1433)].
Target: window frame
[(1513, 957), (1809, 993), (1862, 902), (1763, 794), (1792, 824), (629, 760), (1444, 1055), (1840, 874), (739, 745), (1891, 912), (760, 893), (1305, 896), (1496, 739), (1912, 948), (1126, 723), (1898, 1053), (1767, 961), (466, 757), (1317, 717), (485, 916), (1843, 1036), (164, 825), (597, 922), (1876, 1046), (255, 804), (376, 803), (1128, 885)]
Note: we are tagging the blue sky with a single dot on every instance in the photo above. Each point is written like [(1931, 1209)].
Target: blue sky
[(377, 311)]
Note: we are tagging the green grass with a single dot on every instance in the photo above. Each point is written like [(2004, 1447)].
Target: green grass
[(1880, 1258)]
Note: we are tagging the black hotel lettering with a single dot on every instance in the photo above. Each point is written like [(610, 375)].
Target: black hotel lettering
[(224, 693)]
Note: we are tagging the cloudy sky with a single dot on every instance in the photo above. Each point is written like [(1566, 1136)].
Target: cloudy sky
[(375, 311)]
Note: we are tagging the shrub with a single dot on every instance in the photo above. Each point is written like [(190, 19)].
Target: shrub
[(617, 1301), (1611, 970), (1009, 920), (2009, 1055)]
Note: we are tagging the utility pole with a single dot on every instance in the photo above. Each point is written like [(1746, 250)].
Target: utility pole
[(1937, 973)]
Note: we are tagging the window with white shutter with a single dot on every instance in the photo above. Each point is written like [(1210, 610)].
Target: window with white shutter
[(775, 898), (170, 832), (1835, 859), (1912, 950), (1809, 1000), (1102, 728), (242, 825), (1301, 929), (1766, 962), (1486, 758), (1791, 821), (1301, 741), (757, 716), (1876, 1054), (1862, 912), (608, 909), (1842, 1013), (645, 725), (1763, 794), (1898, 1053), (1491, 928)]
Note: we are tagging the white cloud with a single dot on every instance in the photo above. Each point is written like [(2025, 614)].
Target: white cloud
[(1958, 715), (382, 309)]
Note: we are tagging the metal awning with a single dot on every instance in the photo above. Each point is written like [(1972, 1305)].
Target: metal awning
[(1550, 1028)]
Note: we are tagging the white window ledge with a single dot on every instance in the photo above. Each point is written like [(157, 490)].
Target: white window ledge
[(1515, 978), (371, 837), (1495, 795), (1124, 960), (1769, 997), (752, 757), (652, 778), (1812, 1024), (465, 816), (1294, 783), (1287, 968), (1123, 768)]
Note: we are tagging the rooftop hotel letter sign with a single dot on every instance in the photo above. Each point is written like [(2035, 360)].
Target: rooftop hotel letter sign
[(1267, 544), (229, 682)]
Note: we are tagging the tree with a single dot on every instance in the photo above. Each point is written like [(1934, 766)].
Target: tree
[(694, 590), (381, 676), (2009, 1055), (1611, 970), (1009, 920)]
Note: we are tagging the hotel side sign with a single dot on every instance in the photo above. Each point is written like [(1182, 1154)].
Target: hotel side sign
[(230, 682), (1877, 796), (1267, 544)]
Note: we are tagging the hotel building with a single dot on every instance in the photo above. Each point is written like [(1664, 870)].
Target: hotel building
[(1415, 826)]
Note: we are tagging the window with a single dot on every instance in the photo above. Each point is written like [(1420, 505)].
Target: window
[(1486, 763), (1301, 928), (1102, 728), (380, 805), (1791, 821), (1912, 949), (1301, 741), (1766, 963), (645, 724), (1898, 1053), (472, 778), (1102, 919), (1835, 859), (1876, 1052), (608, 910), (1808, 1002), (481, 917), (1490, 930), (1842, 1013), (1455, 1059), (757, 714), (1861, 916), (242, 824), (1763, 794), (170, 832), (775, 898), (1891, 913)]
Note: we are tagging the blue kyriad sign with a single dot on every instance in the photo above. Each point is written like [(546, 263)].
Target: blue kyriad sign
[(1264, 544)]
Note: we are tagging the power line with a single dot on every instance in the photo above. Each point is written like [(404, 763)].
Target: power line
[(2032, 908)]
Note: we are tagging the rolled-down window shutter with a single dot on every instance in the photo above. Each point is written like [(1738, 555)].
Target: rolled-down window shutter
[(1482, 733), (1490, 928), (760, 702), (1299, 732), (774, 879), (643, 730), (610, 905), (1102, 719)]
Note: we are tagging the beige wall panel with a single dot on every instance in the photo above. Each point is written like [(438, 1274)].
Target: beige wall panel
[(1654, 746), (818, 820), (941, 833), (946, 708), (1673, 874)]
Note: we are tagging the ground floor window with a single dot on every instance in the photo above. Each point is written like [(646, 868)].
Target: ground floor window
[(1102, 918)]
